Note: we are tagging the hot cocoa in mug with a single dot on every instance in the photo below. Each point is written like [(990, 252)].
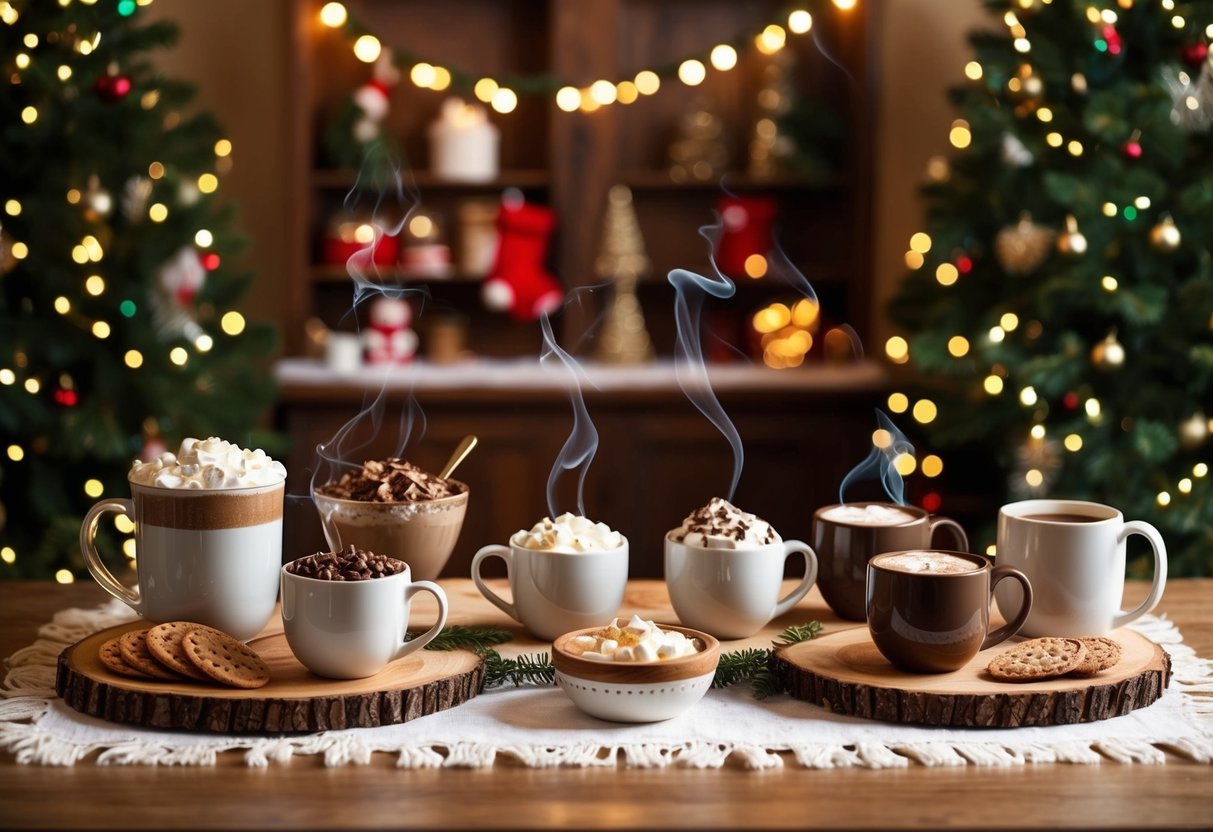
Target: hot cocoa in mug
[(847, 535)]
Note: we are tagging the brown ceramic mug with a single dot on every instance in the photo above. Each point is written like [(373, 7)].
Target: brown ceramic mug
[(929, 610), (847, 535)]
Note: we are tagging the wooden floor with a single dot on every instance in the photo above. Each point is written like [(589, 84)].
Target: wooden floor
[(305, 795)]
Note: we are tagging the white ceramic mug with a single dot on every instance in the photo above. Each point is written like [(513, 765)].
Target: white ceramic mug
[(209, 556), (1073, 552), (733, 593), (352, 629), (558, 592)]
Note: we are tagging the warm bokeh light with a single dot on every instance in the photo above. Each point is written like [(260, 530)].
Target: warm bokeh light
[(1072, 442), (755, 266), (93, 488), (723, 57), (925, 411), (133, 359), (648, 82), (800, 21), (958, 346), (897, 349), (691, 73), (232, 323), (932, 466), (898, 402), (505, 100), (333, 15), (367, 49), (486, 88)]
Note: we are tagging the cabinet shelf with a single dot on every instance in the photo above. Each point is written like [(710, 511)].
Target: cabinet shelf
[(344, 178), (659, 180), (324, 273)]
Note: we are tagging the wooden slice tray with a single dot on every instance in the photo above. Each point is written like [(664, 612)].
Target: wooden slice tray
[(294, 700), (845, 673)]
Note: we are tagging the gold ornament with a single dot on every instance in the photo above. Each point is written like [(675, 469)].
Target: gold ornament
[(1072, 243), (624, 339), (1022, 247), (1165, 236), (97, 200), (1194, 430), (1108, 354)]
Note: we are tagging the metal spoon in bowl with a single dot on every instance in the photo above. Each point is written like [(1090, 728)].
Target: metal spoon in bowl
[(461, 451)]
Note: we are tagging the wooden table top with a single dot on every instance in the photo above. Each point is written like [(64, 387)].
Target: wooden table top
[(305, 795)]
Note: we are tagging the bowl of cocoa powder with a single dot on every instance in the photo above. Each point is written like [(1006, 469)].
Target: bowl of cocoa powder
[(397, 509)]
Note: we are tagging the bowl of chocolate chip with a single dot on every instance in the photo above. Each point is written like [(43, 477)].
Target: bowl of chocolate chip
[(397, 509)]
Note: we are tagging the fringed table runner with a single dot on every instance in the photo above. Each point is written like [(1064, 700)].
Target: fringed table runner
[(540, 727)]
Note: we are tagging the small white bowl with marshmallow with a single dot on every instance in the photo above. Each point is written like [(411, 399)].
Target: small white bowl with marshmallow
[(635, 670)]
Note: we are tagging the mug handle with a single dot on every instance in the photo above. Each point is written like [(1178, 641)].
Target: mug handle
[(99, 571), (425, 638), (955, 528), (792, 547), (507, 555), (1007, 630), (1160, 569)]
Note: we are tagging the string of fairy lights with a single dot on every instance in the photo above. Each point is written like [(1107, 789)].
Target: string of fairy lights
[(89, 253), (1164, 236), (502, 94)]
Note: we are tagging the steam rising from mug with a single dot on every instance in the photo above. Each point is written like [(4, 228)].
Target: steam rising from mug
[(888, 443), (579, 449), (386, 191)]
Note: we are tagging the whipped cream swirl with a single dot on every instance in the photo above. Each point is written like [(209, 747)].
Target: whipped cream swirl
[(721, 525), (208, 464)]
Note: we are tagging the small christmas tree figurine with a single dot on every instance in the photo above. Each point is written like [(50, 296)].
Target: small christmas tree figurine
[(624, 339), (1061, 298), (117, 292)]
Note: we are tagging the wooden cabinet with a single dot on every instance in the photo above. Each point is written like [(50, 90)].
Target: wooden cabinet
[(657, 460), (570, 160)]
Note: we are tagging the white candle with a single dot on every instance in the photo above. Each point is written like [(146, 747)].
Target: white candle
[(463, 144)]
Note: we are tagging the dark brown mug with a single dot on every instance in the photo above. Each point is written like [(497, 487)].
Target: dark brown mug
[(844, 548), (929, 610)]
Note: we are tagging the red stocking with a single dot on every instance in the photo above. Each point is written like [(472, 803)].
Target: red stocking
[(518, 282)]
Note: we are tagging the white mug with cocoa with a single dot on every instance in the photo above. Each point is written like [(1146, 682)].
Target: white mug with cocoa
[(565, 574), (345, 614), (724, 571), (1073, 552), (208, 537)]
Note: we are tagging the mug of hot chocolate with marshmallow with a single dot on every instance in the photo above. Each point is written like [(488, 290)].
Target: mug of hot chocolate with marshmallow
[(724, 571)]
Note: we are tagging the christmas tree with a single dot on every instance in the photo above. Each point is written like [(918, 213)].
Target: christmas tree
[(1059, 309), (118, 326)]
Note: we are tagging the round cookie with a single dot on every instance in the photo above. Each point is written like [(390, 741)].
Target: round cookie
[(164, 642), (133, 646), (1039, 658), (1102, 653), (111, 657), (224, 659)]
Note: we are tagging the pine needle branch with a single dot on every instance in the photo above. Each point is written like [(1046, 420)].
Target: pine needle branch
[(524, 670), (476, 639), (798, 633), (739, 666)]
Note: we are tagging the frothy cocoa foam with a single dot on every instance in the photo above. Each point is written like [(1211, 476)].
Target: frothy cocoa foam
[(875, 514), (935, 563)]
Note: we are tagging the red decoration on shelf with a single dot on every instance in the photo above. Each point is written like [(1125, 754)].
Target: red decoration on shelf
[(1194, 54), (746, 230), (387, 337), (519, 282), (112, 88), (1070, 400), (1112, 38), (210, 261), (964, 264), (932, 501)]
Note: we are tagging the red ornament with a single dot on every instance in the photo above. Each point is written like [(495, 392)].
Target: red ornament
[(964, 264), (67, 398), (1112, 38), (112, 88), (1132, 149), (932, 501), (1070, 400), (210, 261), (1194, 54)]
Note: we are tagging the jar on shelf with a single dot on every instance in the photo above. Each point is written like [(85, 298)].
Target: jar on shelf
[(423, 248), (477, 235)]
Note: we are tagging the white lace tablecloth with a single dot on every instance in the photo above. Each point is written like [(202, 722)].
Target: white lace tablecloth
[(541, 727)]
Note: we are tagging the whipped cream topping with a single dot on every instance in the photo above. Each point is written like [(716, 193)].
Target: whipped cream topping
[(636, 641), (569, 533), (208, 464), (874, 514), (721, 525)]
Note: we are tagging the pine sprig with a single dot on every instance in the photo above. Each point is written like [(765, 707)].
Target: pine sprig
[(478, 639), (739, 666), (524, 670), (798, 633)]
